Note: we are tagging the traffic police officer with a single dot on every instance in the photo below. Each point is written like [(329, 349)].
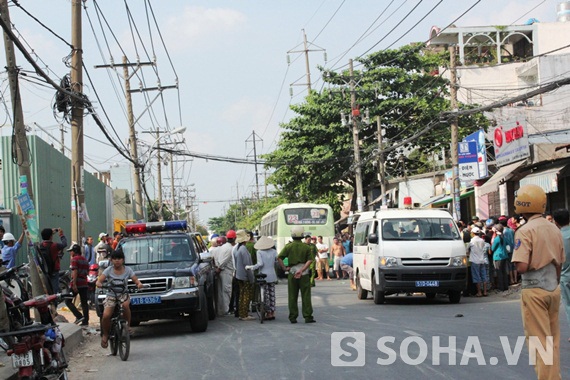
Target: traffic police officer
[(538, 256), (300, 258)]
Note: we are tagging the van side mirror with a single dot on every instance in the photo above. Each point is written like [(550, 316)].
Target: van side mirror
[(373, 238)]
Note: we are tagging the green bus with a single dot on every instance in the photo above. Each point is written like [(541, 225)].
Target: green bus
[(317, 219)]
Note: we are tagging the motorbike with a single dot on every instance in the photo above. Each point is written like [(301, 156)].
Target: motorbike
[(91, 280), (14, 294), (36, 349), (64, 281)]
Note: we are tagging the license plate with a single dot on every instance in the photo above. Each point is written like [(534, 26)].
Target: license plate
[(146, 300), (427, 284), (25, 360)]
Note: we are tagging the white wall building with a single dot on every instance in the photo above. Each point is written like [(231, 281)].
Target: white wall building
[(496, 63)]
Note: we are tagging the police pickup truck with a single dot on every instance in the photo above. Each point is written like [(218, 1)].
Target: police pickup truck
[(175, 263)]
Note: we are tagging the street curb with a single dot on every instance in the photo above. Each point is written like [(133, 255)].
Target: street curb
[(73, 337)]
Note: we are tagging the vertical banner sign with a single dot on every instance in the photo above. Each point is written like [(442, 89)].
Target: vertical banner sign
[(479, 138), (468, 161), (29, 219), (510, 142), (27, 212)]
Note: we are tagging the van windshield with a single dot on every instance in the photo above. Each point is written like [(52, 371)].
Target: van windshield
[(419, 229), (157, 249)]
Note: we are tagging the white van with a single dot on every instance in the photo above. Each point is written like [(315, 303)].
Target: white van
[(408, 250)]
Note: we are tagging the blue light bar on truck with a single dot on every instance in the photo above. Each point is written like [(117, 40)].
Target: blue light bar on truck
[(141, 228)]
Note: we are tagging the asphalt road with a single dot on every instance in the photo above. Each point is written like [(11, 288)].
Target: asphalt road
[(472, 334)]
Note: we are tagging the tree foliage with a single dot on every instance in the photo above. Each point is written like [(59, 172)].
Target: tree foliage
[(314, 159), (245, 214)]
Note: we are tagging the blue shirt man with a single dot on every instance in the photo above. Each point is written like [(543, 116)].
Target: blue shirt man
[(10, 249), (89, 250)]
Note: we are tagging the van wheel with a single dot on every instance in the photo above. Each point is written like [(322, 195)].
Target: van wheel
[(379, 296), (454, 296), (430, 296), (361, 294)]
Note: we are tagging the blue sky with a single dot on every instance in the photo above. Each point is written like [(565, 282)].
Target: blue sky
[(230, 58)]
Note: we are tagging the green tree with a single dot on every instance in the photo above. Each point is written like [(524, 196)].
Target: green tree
[(314, 158)]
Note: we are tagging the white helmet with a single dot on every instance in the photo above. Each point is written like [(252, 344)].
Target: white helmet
[(297, 232), (8, 237)]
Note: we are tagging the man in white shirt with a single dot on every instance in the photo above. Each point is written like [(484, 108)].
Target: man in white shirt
[(225, 269), (323, 253), (478, 250)]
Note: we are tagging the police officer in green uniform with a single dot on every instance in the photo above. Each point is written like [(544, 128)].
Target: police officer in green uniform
[(300, 258)]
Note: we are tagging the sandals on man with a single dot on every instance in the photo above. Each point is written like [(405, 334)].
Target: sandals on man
[(104, 342)]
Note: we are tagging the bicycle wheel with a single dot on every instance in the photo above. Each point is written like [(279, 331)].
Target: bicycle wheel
[(114, 338), (62, 366), (124, 341), (261, 306), (256, 302)]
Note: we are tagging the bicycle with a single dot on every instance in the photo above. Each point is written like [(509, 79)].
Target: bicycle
[(119, 336), (258, 301)]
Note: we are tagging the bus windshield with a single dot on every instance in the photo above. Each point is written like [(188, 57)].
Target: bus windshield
[(306, 216)]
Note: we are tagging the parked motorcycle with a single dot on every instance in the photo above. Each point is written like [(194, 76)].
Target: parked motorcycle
[(15, 294), (64, 281), (36, 349), (91, 280)]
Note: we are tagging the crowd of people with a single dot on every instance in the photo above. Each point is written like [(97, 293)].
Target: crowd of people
[(237, 257)]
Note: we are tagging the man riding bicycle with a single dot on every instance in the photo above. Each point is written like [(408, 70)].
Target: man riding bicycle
[(117, 272)]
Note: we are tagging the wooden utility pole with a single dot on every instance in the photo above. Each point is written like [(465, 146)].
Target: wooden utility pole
[(381, 173), (355, 113), (455, 184), (77, 175)]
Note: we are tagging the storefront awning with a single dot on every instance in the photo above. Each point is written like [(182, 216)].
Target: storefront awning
[(344, 220), (449, 198), (503, 174), (546, 178), (434, 199)]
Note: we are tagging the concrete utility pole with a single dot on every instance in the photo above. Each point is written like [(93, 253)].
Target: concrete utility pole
[(139, 212), (455, 184), (355, 114), (306, 51), (307, 67), (22, 153), (159, 175), (62, 139), (253, 140), (174, 215), (381, 173), (77, 175)]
